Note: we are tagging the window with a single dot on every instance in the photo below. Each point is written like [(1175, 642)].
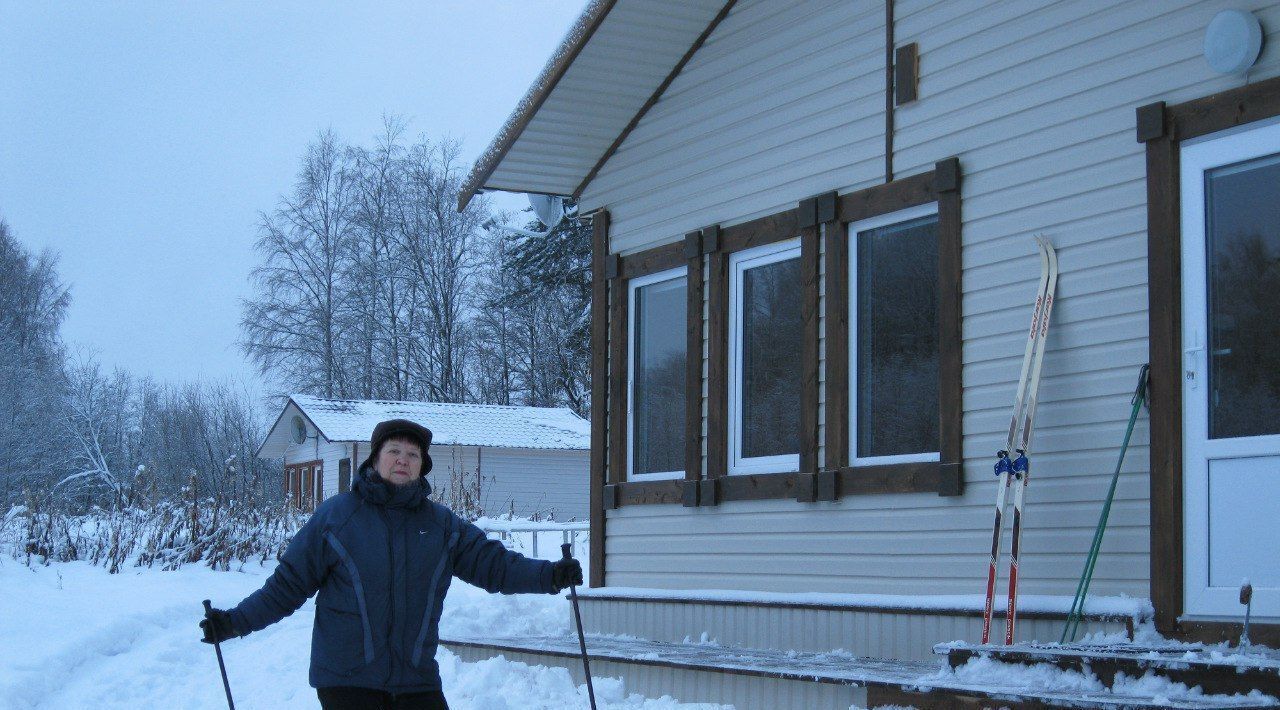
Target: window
[(765, 339), (657, 377), (893, 338)]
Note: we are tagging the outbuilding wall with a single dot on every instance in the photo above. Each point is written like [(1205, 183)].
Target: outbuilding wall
[(548, 483), (786, 100)]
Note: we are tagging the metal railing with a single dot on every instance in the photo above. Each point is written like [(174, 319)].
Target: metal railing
[(569, 532)]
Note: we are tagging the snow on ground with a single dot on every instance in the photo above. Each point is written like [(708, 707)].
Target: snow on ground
[(73, 636)]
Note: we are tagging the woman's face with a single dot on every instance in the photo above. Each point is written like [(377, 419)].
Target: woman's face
[(399, 461)]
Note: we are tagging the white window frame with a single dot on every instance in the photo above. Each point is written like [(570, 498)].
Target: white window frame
[(855, 229), (634, 285), (740, 262)]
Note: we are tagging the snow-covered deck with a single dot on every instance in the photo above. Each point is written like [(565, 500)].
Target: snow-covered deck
[(758, 678), (1214, 668)]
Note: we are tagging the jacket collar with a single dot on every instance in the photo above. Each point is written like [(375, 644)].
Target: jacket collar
[(370, 486)]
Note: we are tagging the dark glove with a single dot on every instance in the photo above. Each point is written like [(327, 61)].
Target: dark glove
[(565, 573), (218, 627)]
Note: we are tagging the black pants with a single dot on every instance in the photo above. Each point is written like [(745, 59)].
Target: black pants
[(367, 699)]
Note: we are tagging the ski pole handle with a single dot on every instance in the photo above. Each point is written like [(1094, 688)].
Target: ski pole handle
[(217, 648), (566, 551)]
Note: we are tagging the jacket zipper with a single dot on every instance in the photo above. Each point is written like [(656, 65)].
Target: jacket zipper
[(391, 596)]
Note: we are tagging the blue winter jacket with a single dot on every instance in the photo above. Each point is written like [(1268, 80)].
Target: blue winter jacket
[(382, 558)]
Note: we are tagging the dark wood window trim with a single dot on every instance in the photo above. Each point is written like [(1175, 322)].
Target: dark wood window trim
[(944, 477), (1162, 128), (599, 390), (617, 271), (693, 368), (809, 220), (798, 222)]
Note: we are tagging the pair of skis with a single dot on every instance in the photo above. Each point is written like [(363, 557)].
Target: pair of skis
[(1013, 473)]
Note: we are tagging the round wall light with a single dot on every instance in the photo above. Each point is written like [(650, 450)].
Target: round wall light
[(1232, 41)]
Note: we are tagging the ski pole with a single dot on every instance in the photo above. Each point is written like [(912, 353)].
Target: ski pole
[(577, 616), (218, 649), (1091, 560)]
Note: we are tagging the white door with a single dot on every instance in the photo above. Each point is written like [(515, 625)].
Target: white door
[(1231, 371)]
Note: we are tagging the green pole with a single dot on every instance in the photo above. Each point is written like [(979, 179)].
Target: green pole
[(1082, 589)]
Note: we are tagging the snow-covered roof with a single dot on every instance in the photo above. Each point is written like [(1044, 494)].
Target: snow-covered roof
[(602, 76), (450, 424)]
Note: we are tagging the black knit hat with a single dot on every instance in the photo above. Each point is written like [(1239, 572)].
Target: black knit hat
[(412, 431)]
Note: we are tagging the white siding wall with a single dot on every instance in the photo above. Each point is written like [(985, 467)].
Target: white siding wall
[(542, 481), (1037, 99), (548, 482), (783, 101)]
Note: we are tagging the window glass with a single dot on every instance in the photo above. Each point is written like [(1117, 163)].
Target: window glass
[(770, 359), (1243, 250), (658, 384), (895, 311)]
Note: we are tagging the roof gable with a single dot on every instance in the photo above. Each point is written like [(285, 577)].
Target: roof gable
[(612, 65)]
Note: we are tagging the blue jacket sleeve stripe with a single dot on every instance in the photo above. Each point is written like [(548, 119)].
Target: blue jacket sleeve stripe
[(355, 581)]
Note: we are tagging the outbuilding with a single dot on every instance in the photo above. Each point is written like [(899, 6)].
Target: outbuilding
[(488, 459)]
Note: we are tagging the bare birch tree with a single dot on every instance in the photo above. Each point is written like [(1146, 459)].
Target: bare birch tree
[(436, 243), (294, 328), (378, 276)]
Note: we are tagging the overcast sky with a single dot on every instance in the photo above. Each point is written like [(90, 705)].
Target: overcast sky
[(141, 140)]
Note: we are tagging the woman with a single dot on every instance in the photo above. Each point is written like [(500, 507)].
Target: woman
[(382, 557)]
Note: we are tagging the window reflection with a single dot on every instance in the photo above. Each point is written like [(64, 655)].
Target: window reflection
[(658, 387)]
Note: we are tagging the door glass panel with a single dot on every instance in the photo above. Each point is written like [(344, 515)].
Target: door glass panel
[(661, 312), (771, 339), (1242, 220)]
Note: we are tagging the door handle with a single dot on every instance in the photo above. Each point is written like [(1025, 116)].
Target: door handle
[(1191, 362)]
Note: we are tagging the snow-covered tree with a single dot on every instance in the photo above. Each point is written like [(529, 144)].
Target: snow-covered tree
[(33, 303), (548, 297)]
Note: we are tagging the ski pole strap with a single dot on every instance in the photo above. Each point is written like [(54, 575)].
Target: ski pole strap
[(1140, 394)]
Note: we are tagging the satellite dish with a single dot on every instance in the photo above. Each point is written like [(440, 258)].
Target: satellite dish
[(549, 209), (299, 429)]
